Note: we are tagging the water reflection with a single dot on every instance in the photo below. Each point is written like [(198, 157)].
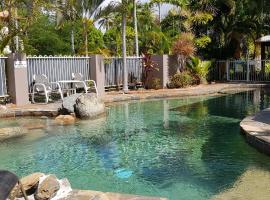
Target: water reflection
[(188, 147)]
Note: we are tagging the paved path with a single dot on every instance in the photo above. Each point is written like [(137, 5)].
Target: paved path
[(95, 195), (51, 109), (257, 130)]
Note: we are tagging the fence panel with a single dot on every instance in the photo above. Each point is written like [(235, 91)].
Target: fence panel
[(57, 68), (218, 71), (114, 71), (238, 70), (241, 70), (3, 86)]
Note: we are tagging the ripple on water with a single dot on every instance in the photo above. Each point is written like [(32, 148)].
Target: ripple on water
[(188, 148)]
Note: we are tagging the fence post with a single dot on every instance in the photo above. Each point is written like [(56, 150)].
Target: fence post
[(162, 62), (97, 72), (17, 79), (247, 70), (227, 70)]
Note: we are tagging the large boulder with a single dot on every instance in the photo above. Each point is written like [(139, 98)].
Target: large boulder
[(88, 106), (68, 104), (29, 183), (65, 119), (11, 132), (48, 188)]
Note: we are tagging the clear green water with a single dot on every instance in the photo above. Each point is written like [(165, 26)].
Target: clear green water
[(181, 149)]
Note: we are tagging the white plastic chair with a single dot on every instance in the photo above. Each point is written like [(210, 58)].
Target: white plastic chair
[(44, 87), (86, 84)]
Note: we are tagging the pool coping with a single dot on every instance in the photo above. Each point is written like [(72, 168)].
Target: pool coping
[(51, 110), (256, 129)]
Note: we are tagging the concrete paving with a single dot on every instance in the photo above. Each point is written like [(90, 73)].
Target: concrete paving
[(257, 130)]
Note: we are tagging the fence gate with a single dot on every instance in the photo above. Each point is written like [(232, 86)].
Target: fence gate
[(114, 71), (3, 86)]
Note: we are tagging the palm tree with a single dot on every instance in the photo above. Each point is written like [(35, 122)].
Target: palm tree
[(122, 8), (70, 10), (135, 28)]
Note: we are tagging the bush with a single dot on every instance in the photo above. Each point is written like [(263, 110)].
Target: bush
[(155, 83), (199, 69), (181, 80)]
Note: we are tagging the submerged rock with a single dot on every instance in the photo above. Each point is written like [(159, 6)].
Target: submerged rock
[(48, 188), (252, 184), (11, 132), (65, 119), (88, 106)]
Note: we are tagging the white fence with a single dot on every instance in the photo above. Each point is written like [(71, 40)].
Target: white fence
[(3, 87), (57, 68), (114, 71)]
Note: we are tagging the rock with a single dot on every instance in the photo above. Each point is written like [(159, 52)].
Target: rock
[(11, 132), (32, 125), (65, 119), (88, 106), (29, 183), (48, 188), (64, 191), (68, 104)]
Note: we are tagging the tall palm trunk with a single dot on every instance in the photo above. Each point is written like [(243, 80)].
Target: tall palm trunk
[(135, 28), (85, 36), (159, 12), (72, 41), (124, 52)]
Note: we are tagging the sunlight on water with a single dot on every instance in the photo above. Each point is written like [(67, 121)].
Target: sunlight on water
[(188, 148)]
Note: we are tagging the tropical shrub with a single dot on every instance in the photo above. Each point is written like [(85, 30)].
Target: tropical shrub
[(155, 83), (183, 48), (199, 69), (149, 67), (181, 80)]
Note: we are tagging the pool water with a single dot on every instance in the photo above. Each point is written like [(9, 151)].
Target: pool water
[(188, 148)]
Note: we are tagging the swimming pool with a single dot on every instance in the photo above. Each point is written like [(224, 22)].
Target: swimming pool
[(188, 148)]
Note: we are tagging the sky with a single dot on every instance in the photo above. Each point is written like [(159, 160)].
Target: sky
[(164, 8)]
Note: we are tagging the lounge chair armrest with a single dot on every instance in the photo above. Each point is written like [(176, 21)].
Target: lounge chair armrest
[(90, 81), (39, 84), (56, 83)]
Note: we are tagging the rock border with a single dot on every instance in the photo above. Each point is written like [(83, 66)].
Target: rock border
[(257, 130), (147, 95)]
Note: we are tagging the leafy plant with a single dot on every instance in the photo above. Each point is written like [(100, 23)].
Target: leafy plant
[(148, 68), (181, 80), (183, 48), (199, 68), (155, 83)]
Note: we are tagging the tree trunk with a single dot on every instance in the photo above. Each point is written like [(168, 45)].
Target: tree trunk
[(124, 52), (159, 12), (135, 28), (85, 37), (72, 41)]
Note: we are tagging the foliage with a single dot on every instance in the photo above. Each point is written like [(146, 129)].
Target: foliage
[(155, 83), (149, 67), (181, 80), (199, 69), (154, 42), (45, 40), (203, 41), (183, 48), (25, 13)]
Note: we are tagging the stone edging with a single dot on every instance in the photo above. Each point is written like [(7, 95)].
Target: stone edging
[(257, 130), (169, 93)]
